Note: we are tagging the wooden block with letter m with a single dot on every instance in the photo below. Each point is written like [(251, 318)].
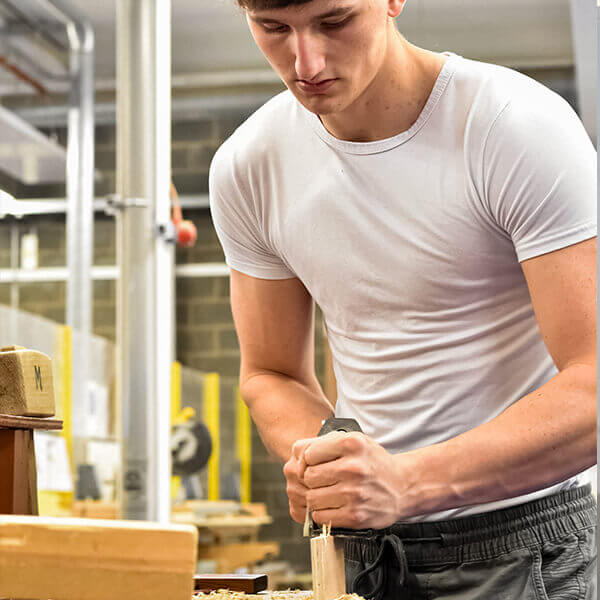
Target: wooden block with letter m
[(26, 387)]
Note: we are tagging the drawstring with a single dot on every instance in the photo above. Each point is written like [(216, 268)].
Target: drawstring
[(397, 548)]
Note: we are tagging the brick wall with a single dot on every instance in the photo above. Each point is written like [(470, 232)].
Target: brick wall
[(206, 338)]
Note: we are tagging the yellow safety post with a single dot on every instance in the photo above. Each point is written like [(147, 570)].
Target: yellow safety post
[(211, 403), (175, 410), (244, 447), (175, 390), (54, 503), (67, 386)]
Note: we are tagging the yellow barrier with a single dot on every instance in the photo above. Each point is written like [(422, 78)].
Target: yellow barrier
[(50, 502), (175, 410), (66, 359), (244, 447), (211, 403), (175, 391)]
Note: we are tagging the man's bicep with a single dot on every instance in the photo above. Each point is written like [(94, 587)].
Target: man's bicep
[(274, 323), (562, 285)]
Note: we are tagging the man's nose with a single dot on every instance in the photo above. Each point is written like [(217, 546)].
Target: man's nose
[(310, 57)]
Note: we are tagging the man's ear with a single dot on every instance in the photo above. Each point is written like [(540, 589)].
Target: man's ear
[(395, 7)]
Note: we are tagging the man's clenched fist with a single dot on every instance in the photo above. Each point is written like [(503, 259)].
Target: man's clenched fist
[(346, 479)]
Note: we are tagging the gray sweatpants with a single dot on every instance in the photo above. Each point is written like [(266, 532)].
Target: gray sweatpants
[(542, 550)]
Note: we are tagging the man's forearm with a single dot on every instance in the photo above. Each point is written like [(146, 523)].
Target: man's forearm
[(544, 438), (284, 410)]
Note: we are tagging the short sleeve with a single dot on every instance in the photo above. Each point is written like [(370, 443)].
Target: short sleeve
[(238, 227), (539, 175)]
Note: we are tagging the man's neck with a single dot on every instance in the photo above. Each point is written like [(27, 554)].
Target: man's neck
[(394, 99)]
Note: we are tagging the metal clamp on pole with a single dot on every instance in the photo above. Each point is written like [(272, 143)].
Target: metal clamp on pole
[(166, 231), (115, 202)]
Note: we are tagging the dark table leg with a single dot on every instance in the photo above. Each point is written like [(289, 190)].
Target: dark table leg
[(18, 482)]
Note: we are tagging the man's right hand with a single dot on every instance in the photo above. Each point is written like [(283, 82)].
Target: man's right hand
[(294, 473)]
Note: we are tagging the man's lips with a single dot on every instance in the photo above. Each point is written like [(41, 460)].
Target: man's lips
[(320, 86)]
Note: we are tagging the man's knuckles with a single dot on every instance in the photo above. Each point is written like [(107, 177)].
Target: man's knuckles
[(290, 469), (354, 442), (354, 470), (299, 447)]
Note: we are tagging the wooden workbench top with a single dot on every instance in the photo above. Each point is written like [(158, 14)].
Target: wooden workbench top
[(12, 422)]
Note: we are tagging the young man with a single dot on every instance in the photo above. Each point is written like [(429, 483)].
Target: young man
[(441, 212)]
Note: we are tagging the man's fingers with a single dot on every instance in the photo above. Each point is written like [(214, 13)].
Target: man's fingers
[(334, 517), (325, 449), (299, 446), (320, 476), (325, 499), (298, 452), (297, 512)]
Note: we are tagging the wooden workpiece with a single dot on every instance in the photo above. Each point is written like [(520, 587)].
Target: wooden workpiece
[(26, 387), (85, 559), (328, 569)]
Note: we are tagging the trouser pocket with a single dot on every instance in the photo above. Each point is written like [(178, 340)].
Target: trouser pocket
[(565, 569)]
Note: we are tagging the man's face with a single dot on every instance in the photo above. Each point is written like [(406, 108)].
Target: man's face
[(327, 52)]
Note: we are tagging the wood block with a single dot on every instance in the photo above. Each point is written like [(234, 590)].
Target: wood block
[(250, 584), (89, 559), (95, 509), (26, 387), (230, 557), (328, 570)]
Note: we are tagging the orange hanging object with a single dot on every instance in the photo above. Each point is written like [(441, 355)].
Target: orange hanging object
[(186, 230)]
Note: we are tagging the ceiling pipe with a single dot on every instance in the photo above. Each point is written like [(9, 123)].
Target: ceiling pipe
[(18, 56), (55, 46), (15, 70)]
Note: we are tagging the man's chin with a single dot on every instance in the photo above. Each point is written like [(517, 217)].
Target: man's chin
[(319, 104)]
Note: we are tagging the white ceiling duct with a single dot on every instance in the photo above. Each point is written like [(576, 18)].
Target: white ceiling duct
[(28, 155)]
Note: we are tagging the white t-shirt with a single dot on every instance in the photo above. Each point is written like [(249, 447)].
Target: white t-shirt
[(411, 245)]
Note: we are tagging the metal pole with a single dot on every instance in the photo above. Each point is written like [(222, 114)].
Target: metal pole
[(14, 265), (145, 292), (584, 31), (80, 198), (80, 184)]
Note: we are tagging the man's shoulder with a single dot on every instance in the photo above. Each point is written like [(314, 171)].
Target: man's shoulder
[(260, 131), (494, 96), (492, 88)]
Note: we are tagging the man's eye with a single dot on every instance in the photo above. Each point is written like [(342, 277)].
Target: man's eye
[(335, 24), (278, 29)]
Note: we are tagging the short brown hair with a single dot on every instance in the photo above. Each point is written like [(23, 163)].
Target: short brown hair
[(268, 4)]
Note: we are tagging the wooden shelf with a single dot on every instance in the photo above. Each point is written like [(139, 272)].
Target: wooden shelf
[(13, 422)]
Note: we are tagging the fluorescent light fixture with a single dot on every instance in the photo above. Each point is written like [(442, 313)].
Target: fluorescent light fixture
[(27, 154)]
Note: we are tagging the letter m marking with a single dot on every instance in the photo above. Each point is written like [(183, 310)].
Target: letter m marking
[(38, 377)]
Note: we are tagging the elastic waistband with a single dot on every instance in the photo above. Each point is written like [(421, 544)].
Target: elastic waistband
[(483, 535)]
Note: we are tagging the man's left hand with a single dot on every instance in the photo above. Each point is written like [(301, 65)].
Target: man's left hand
[(352, 482)]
